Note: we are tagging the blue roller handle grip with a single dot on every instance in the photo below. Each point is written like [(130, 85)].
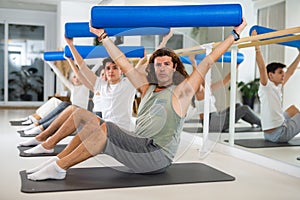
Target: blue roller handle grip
[(262, 30), (81, 29), (167, 16), (54, 55), (89, 52), (226, 58)]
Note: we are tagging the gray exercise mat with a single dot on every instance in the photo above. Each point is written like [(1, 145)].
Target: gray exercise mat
[(17, 123), (192, 121), (108, 178), (237, 129), (22, 134), (261, 143), (245, 129), (57, 149)]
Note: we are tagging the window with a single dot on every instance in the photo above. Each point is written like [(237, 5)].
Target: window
[(25, 64)]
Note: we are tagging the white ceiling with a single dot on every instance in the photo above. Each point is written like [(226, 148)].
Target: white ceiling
[(50, 5)]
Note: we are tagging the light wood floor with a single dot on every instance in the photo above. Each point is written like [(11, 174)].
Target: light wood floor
[(252, 182)]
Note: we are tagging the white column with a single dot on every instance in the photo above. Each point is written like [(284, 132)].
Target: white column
[(232, 94), (205, 149)]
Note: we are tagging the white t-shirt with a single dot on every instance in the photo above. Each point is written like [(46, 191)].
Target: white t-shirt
[(270, 97), (79, 94), (115, 102)]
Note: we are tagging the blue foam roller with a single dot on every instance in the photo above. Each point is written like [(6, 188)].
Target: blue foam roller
[(54, 55), (167, 16), (89, 52), (262, 30), (226, 58), (81, 29)]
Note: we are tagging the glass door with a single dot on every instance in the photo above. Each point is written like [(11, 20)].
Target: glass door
[(25, 65), (1, 62)]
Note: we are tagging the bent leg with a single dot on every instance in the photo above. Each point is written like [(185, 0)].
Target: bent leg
[(247, 114), (292, 110), (47, 107), (57, 123), (91, 145)]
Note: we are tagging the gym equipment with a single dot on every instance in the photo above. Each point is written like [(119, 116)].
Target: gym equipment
[(237, 129), (22, 134), (262, 30), (89, 52), (166, 16), (54, 55), (261, 143), (107, 178), (225, 58), (57, 149), (81, 29)]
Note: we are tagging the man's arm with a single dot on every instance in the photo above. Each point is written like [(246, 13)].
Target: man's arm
[(260, 63), (292, 68)]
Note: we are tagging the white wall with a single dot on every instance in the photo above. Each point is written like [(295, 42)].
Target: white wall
[(291, 90), (72, 12)]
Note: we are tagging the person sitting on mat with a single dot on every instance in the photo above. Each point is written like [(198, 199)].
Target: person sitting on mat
[(115, 104), (79, 97), (278, 125), (166, 94), (219, 121), (41, 112)]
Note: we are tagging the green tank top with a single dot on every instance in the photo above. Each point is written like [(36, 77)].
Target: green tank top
[(158, 120)]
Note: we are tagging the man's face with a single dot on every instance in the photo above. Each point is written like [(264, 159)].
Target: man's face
[(164, 70), (278, 76), (113, 72)]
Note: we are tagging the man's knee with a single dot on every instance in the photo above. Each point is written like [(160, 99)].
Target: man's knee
[(292, 110)]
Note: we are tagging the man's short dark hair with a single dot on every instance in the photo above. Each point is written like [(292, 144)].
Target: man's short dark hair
[(272, 67), (106, 60)]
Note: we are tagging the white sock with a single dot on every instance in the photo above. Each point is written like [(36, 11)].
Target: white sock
[(34, 131), (38, 149), (33, 119), (20, 119), (30, 142), (27, 122), (51, 171), (28, 127), (29, 171)]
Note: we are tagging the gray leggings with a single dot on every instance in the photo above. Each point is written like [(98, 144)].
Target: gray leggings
[(219, 121), (48, 119)]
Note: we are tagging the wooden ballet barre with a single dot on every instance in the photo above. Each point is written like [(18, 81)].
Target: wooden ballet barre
[(270, 41), (248, 41), (269, 35)]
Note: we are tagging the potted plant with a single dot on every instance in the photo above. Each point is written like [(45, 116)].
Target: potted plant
[(25, 81), (249, 91)]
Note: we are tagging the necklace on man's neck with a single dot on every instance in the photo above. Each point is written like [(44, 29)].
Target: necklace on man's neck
[(163, 86)]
